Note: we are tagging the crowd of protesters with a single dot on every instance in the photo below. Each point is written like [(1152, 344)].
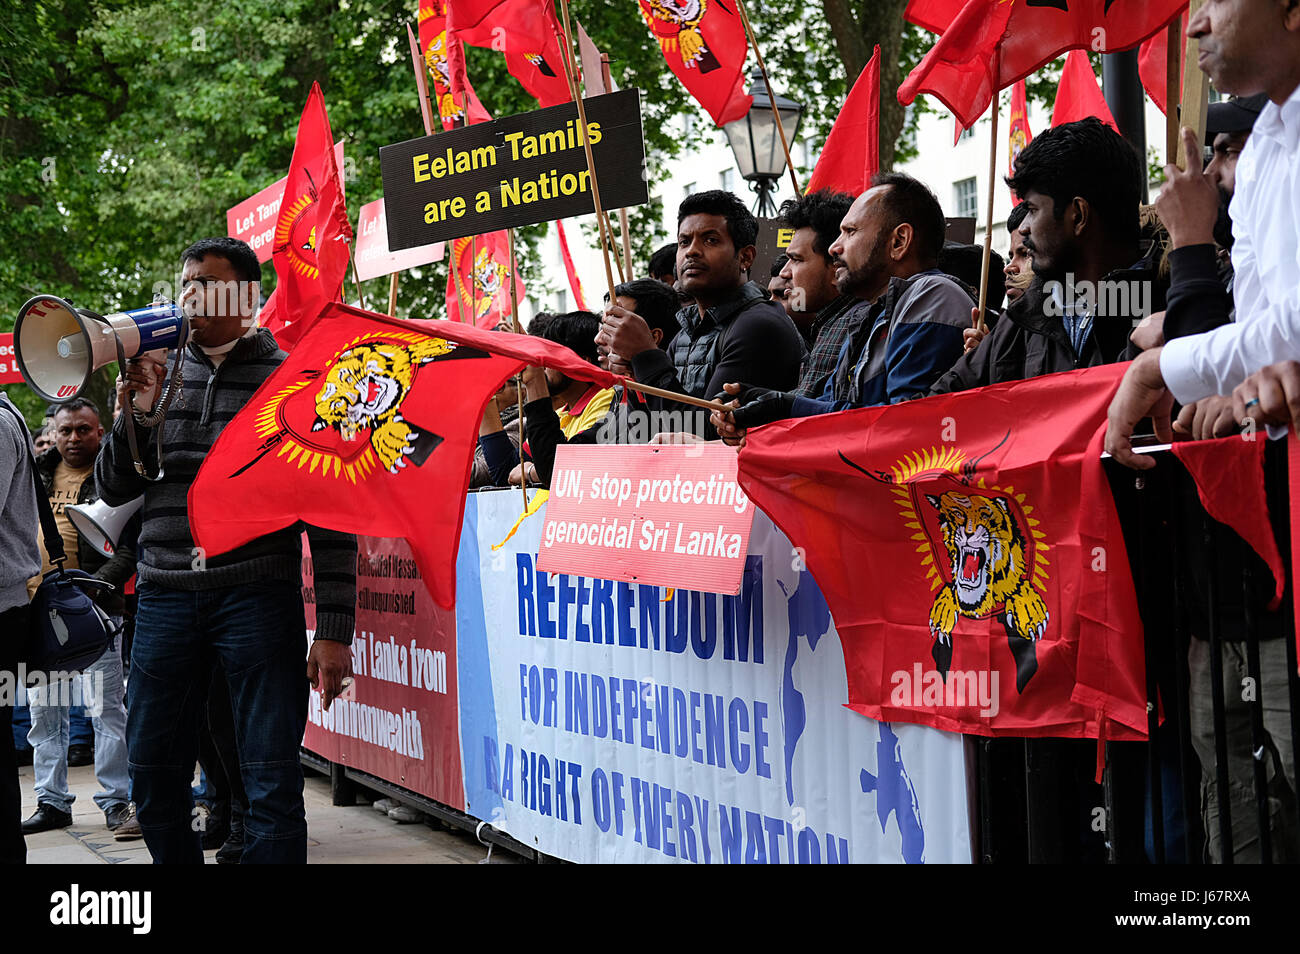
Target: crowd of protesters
[(870, 304)]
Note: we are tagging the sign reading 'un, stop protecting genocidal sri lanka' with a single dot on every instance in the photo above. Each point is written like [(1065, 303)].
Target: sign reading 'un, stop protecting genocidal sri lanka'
[(515, 171)]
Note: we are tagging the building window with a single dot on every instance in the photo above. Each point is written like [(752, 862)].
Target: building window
[(727, 180), (966, 198), (967, 133), (689, 190)]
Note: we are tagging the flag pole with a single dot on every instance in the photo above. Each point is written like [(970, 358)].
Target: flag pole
[(673, 395), (622, 213), (571, 73), (356, 278), (771, 97), (519, 391), (988, 218), (1195, 92), (392, 296), (1173, 90)]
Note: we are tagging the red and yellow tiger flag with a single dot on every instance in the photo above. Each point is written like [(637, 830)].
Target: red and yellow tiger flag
[(368, 426), (310, 249), (1006, 605), (442, 57), (1018, 134), (705, 46), (477, 289)]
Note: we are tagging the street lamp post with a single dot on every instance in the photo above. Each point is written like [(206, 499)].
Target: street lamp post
[(757, 145)]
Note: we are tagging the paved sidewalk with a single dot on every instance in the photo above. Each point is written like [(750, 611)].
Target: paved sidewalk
[(336, 835)]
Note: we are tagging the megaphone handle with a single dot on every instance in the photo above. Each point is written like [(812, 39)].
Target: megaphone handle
[(160, 413)]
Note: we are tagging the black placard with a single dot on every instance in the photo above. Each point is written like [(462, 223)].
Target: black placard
[(514, 171)]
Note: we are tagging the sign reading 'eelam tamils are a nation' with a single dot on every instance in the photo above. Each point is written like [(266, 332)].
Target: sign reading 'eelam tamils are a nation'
[(515, 171)]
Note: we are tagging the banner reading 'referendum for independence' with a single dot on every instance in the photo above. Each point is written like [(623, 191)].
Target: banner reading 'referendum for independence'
[(603, 722)]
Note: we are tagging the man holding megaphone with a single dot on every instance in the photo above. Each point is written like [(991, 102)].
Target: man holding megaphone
[(242, 610)]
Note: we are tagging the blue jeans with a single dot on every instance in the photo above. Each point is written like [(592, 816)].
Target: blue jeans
[(100, 686), (258, 635)]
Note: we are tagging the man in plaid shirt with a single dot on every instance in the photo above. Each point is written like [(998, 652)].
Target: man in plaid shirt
[(810, 272)]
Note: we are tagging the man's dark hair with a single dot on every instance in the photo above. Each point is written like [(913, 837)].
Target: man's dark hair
[(741, 224), (575, 330), (76, 404), (536, 325), (1089, 160), (664, 261), (656, 302), (1016, 217), (778, 264), (241, 258), (966, 262), (910, 201), (822, 211)]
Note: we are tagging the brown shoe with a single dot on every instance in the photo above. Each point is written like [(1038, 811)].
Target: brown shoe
[(129, 828)]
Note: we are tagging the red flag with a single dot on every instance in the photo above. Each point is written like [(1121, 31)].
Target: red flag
[(980, 583), (1032, 35), (477, 291), (541, 72), (704, 44), (1153, 64), (310, 250), (575, 283), (1079, 96), (961, 68), (369, 426), (851, 155), (446, 61), (1018, 135), (510, 26), (1229, 476)]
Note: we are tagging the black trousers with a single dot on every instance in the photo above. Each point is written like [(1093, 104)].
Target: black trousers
[(13, 849)]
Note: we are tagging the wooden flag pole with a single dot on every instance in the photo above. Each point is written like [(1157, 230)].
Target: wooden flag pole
[(519, 389), (361, 300), (674, 395), (622, 213), (1196, 91), (988, 218), (392, 296), (571, 73), (1173, 91), (771, 97)]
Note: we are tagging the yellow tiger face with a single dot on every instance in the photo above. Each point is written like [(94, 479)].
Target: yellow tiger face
[(985, 547)]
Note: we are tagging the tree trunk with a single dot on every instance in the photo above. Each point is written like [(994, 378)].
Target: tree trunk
[(857, 28)]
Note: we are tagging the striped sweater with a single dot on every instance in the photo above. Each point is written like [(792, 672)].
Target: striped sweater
[(210, 398)]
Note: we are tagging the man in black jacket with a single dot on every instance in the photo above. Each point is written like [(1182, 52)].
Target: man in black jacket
[(1081, 186), (731, 332)]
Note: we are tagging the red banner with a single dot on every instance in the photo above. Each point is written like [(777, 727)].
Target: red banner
[(9, 373), (705, 46), (1018, 134), (399, 720)]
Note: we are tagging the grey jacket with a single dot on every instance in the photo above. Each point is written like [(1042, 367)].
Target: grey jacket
[(20, 556)]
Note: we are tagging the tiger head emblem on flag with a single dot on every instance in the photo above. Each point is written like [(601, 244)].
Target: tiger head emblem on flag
[(364, 391), (489, 277), (982, 554), (676, 24), (347, 420)]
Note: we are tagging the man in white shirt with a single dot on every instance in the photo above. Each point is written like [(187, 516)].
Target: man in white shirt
[(1247, 47)]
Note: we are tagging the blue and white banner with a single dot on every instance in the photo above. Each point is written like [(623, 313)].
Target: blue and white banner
[(614, 722)]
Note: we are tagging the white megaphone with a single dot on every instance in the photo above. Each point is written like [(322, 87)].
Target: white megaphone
[(59, 346), (101, 524)]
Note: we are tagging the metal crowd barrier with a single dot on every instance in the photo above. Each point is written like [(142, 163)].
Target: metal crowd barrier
[(1037, 801)]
